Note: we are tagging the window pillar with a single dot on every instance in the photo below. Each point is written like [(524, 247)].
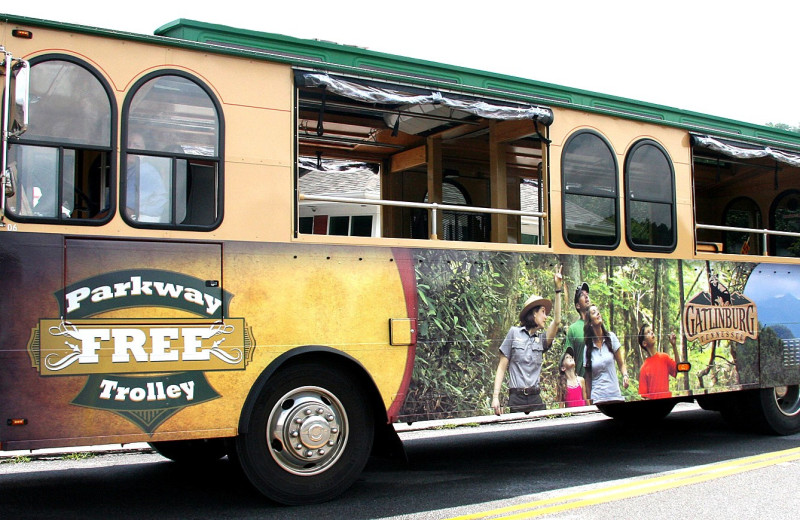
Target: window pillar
[(434, 152)]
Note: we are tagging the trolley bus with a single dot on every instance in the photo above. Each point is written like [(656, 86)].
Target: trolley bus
[(227, 242)]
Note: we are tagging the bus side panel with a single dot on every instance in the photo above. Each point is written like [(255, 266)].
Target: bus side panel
[(158, 343), (726, 327), (776, 290), (31, 272)]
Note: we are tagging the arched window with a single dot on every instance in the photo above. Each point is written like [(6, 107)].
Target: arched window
[(172, 140), (743, 212), (650, 198), (456, 225), (62, 164), (591, 206), (785, 216)]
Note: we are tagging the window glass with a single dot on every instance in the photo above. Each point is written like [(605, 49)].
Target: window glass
[(338, 225), (785, 216), (173, 154), (361, 225), (61, 167), (148, 188), (306, 225), (589, 176), (649, 181), (176, 115), (36, 183), (69, 105)]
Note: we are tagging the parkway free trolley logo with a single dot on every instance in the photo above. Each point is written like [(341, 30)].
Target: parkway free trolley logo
[(145, 370)]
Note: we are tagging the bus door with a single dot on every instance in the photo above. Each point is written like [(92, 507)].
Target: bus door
[(142, 322)]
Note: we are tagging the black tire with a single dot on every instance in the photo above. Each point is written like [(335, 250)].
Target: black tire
[(193, 451), (775, 410), (639, 411), (309, 435)]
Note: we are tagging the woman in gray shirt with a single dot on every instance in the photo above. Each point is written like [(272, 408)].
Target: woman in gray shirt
[(522, 350), (602, 351)]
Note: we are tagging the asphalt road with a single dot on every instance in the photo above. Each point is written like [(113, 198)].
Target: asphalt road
[(453, 472)]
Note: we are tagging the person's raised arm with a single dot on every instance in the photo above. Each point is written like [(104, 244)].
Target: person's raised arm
[(552, 330)]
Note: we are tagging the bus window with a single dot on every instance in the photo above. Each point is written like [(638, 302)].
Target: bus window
[(62, 163), (734, 184), (743, 213), (650, 198), (784, 215), (589, 177), (417, 147), (172, 175), (338, 178)]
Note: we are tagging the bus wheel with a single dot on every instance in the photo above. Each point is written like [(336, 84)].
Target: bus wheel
[(777, 410), (309, 435), (193, 451)]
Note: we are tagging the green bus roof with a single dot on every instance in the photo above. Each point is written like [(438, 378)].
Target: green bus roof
[(345, 59)]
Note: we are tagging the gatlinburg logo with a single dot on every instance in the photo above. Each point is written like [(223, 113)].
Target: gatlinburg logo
[(145, 370), (718, 314)]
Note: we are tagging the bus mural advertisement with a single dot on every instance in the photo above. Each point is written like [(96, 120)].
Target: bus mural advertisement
[(272, 249)]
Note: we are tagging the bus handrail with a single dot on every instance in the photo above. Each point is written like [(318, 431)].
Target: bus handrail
[(433, 206), (765, 232)]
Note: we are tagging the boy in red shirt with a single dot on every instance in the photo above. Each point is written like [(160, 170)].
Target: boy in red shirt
[(654, 376)]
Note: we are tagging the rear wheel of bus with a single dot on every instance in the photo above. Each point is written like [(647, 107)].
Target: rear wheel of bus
[(775, 410), (309, 435)]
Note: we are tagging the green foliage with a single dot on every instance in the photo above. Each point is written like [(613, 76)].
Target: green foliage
[(784, 126), (468, 301), (79, 455)]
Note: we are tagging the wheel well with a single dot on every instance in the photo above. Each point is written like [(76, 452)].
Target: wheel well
[(329, 357)]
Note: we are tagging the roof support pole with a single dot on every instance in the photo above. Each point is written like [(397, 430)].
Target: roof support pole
[(434, 153), (498, 186)]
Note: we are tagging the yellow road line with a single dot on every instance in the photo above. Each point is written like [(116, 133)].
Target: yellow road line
[(636, 487)]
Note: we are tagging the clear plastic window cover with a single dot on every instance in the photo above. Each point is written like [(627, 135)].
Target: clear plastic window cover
[(745, 153), (309, 164), (371, 94)]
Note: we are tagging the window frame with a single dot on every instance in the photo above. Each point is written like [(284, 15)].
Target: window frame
[(629, 200), (564, 230), (219, 158), (61, 146)]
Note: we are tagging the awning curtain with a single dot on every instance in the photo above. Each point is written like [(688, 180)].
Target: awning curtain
[(373, 94), (744, 151)]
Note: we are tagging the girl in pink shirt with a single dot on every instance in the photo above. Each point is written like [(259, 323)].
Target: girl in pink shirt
[(571, 387)]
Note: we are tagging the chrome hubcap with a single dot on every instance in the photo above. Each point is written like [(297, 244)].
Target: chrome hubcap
[(307, 430)]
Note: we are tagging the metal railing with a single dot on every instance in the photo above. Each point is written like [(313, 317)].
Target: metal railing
[(434, 207), (765, 232)]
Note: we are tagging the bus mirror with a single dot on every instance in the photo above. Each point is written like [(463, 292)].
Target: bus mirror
[(20, 95)]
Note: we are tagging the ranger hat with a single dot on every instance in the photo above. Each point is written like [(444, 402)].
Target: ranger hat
[(534, 301)]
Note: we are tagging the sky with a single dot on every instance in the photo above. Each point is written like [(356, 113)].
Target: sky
[(731, 58)]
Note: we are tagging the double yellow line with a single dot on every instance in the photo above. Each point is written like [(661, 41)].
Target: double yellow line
[(636, 487)]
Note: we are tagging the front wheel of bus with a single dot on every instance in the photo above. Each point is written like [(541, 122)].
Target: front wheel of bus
[(309, 436), (777, 410)]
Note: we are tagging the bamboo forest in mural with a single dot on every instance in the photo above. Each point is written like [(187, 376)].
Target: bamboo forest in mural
[(469, 300)]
